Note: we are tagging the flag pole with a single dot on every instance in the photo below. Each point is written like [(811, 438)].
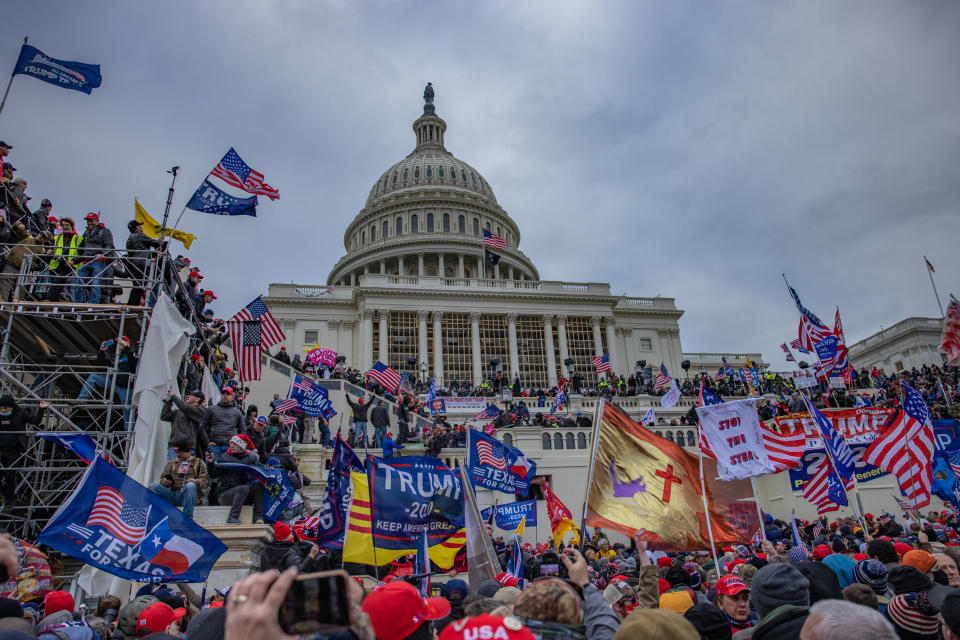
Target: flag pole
[(10, 82), (926, 263), (166, 211), (756, 501), (597, 415), (706, 507)]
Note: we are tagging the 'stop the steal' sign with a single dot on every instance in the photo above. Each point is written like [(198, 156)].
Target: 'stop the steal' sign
[(734, 433)]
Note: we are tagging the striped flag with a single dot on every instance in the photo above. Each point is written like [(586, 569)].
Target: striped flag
[(929, 265), (247, 340), (953, 458), (491, 240), (602, 363), (823, 489), (490, 412), (234, 171), (812, 330), (663, 378), (817, 529), (786, 350), (906, 449), (405, 387), (257, 310), (841, 457), (386, 377), (727, 369), (758, 537), (486, 455), (289, 403), (287, 419), (796, 344), (558, 400), (114, 514), (719, 375)]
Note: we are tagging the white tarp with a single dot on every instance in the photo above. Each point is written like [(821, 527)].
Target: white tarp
[(734, 434)]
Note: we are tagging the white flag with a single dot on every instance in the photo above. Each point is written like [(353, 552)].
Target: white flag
[(649, 418), (734, 432), (671, 397)]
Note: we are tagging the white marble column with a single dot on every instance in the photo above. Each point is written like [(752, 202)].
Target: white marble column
[(514, 352), (400, 270), (615, 364), (548, 347), (663, 350), (366, 341), (347, 327), (496, 271), (438, 346), (440, 266), (383, 267), (481, 265), (333, 338), (422, 338), (475, 345), (420, 271), (564, 350), (460, 265), (384, 316), (597, 340)]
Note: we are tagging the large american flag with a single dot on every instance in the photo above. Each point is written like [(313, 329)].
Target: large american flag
[(386, 377), (906, 449), (247, 340), (727, 369), (663, 378), (287, 404), (487, 456), (257, 310), (495, 241), (811, 330), (798, 345), (602, 363), (490, 412), (114, 514), (234, 171)]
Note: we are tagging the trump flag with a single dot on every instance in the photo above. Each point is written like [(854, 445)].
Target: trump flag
[(494, 465)]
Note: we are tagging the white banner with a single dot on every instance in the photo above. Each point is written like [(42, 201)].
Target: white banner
[(732, 429), (671, 397), (805, 378), (837, 382), (466, 403)]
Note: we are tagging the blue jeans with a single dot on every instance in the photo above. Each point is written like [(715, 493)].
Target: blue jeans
[(185, 497), (99, 381), (379, 434), (89, 282), (324, 435), (217, 451), (360, 431)]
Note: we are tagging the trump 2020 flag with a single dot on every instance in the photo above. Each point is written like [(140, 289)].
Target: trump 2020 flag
[(510, 515), (277, 491), (209, 199), (332, 516), (116, 524), (68, 74), (494, 465), (78, 442), (311, 398)]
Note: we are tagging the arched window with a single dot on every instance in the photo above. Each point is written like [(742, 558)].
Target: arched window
[(394, 177), (446, 223), (453, 174), (581, 440), (569, 440), (473, 179), (416, 172), (363, 237), (498, 231), (386, 229), (373, 233), (429, 222), (462, 224), (680, 438), (487, 225), (508, 439), (414, 223), (463, 174), (545, 441), (399, 226), (439, 172), (404, 175), (558, 441), (691, 441), (476, 226), (429, 172), (669, 435)]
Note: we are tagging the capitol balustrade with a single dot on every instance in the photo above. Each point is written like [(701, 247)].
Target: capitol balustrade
[(887, 335)]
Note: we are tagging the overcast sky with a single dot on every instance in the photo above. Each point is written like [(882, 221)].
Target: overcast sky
[(685, 149)]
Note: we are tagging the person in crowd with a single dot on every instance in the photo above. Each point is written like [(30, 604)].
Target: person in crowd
[(233, 486), (40, 220), (160, 618), (380, 418), (780, 594), (323, 426), (840, 620), (62, 264), (397, 610), (359, 420), (185, 417), (389, 446), (14, 441), (184, 480), (94, 255), (139, 256), (58, 609), (889, 527), (262, 442), (951, 616), (282, 355), (733, 598), (709, 621), (121, 353), (221, 422), (284, 552)]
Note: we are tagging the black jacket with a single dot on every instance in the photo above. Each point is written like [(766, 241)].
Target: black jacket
[(379, 416), (359, 409), (228, 479), (221, 422), (283, 555), (185, 422), (783, 623), (126, 363), (97, 241), (16, 421), (262, 442)]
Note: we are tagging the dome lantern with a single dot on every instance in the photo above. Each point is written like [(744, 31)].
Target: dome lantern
[(429, 127)]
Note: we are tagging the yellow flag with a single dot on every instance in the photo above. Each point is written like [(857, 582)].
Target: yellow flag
[(152, 228), (523, 523), (748, 363)]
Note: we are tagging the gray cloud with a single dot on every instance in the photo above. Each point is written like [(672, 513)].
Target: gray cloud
[(716, 145)]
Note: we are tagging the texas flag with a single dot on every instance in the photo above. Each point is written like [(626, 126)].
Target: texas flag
[(521, 466), (163, 547)]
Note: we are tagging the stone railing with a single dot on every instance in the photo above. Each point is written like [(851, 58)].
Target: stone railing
[(934, 325), (527, 286)]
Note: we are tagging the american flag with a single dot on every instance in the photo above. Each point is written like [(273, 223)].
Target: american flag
[(835, 444), (386, 377), (257, 310), (812, 330), (796, 344), (405, 387), (758, 537), (301, 384), (817, 529), (289, 403), (602, 363), (286, 419), (929, 265), (663, 378), (491, 240), (822, 489), (113, 513), (953, 457), (906, 449), (719, 375), (727, 369), (247, 340), (786, 350), (950, 338), (235, 171), (486, 455), (490, 412)]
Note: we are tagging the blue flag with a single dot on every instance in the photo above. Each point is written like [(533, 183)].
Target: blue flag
[(422, 565), (558, 400), (78, 442), (494, 465), (486, 513), (277, 492), (437, 406), (835, 489), (209, 199), (311, 398), (116, 524), (945, 484), (337, 495), (515, 564), (839, 452), (862, 401), (797, 540), (432, 394), (508, 516), (63, 73)]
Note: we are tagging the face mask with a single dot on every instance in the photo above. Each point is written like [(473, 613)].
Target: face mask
[(6, 413)]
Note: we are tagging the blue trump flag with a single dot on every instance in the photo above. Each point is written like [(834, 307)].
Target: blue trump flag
[(515, 563), (78, 442), (337, 495), (68, 74), (209, 199), (945, 484), (841, 457), (437, 406), (486, 513), (509, 515), (311, 398), (116, 524), (494, 465), (277, 491)]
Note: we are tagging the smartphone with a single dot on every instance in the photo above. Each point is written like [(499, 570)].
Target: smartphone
[(108, 343), (316, 602), (549, 570)]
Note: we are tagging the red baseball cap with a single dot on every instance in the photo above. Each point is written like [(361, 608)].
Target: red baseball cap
[(821, 551), (507, 580), (157, 617), (396, 609), (56, 601), (195, 274), (209, 293), (731, 586), (91, 216), (486, 626), (227, 390)]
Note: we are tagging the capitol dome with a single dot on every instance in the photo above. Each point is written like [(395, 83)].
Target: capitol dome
[(425, 216)]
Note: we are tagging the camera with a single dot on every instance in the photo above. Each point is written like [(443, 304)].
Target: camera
[(551, 565)]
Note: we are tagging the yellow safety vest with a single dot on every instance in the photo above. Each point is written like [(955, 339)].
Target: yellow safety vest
[(71, 249)]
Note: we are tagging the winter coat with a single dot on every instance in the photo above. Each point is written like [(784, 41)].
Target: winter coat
[(221, 422), (16, 421), (263, 443), (783, 623), (359, 409), (126, 362), (283, 555), (379, 416), (196, 473), (185, 420), (98, 240), (228, 478), (389, 446)]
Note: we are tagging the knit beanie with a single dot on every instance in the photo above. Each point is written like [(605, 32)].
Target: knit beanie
[(913, 612), (656, 623), (872, 573), (679, 601), (798, 554), (778, 584), (908, 579), (709, 620)]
